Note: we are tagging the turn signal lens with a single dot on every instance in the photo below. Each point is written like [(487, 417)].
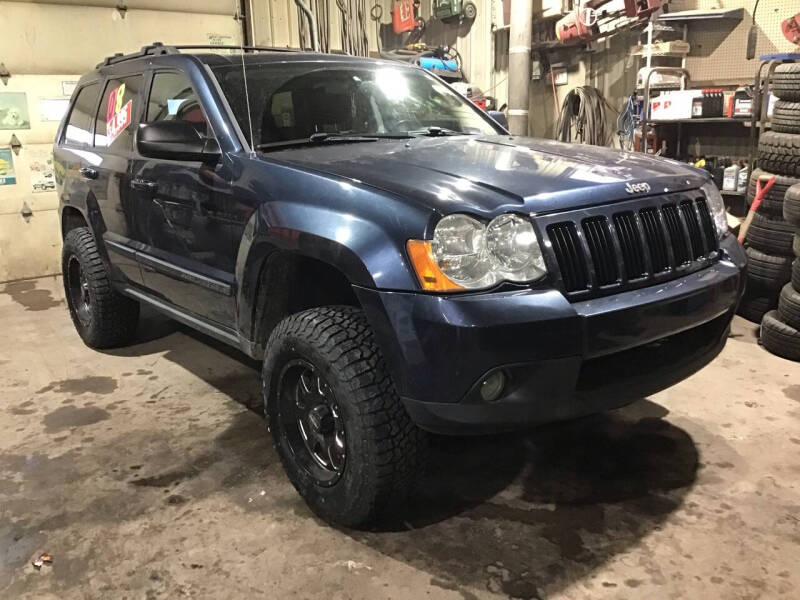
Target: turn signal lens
[(430, 276)]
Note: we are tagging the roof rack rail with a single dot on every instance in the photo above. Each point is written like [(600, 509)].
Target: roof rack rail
[(159, 49)]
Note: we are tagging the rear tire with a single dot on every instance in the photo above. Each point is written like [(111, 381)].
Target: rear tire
[(779, 338), (103, 317), (378, 452)]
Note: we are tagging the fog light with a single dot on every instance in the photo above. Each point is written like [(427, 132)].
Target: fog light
[(492, 386)]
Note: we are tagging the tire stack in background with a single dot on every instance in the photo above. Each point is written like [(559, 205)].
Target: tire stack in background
[(780, 329), (773, 243)]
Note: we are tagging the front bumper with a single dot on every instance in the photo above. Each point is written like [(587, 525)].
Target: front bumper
[(561, 359)]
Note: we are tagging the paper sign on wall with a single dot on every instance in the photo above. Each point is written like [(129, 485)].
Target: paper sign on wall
[(42, 176), (52, 109), (67, 87), (7, 174), (118, 116)]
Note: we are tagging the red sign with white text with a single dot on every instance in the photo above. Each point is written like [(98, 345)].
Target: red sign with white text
[(118, 117)]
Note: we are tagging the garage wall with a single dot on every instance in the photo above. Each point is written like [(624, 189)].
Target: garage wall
[(275, 23), (46, 45), (718, 47), (717, 57)]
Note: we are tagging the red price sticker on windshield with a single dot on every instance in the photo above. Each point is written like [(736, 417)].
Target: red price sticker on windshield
[(118, 116)]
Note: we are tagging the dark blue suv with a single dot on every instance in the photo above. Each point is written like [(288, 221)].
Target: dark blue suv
[(399, 262)]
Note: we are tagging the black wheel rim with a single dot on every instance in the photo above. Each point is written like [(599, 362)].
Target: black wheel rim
[(78, 288), (311, 422)]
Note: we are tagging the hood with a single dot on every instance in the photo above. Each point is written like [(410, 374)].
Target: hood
[(491, 174)]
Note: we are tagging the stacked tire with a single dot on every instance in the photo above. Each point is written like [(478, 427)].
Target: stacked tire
[(780, 329), (769, 248), (773, 240)]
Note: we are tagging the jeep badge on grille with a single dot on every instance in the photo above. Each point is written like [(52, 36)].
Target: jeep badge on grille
[(635, 188)]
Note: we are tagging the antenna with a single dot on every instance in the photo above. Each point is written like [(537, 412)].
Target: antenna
[(238, 15)]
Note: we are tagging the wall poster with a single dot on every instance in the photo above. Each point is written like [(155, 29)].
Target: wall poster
[(42, 176), (7, 174), (14, 111)]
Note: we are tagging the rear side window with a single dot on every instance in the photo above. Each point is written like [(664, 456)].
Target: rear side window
[(173, 99), (114, 123), (79, 125)]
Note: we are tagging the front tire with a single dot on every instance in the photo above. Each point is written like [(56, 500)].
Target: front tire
[(103, 317), (342, 434)]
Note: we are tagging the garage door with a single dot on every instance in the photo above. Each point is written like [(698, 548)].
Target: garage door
[(44, 48)]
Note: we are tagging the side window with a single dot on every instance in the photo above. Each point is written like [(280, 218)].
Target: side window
[(79, 125), (173, 99), (113, 126)]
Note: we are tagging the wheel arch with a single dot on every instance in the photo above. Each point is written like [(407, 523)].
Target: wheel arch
[(72, 218), (277, 282)]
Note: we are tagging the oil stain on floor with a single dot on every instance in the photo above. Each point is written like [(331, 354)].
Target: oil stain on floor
[(67, 417), (86, 385), (26, 294)]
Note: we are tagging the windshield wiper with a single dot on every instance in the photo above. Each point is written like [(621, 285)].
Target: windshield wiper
[(321, 138), (435, 130), (317, 138)]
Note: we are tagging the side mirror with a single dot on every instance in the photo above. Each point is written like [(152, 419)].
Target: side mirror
[(500, 118), (175, 140)]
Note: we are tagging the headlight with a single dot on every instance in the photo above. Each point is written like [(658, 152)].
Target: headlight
[(459, 248), (717, 207), (466, 254), (514, 249)]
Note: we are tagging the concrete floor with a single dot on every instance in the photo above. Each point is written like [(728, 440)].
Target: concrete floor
[(145, 475)]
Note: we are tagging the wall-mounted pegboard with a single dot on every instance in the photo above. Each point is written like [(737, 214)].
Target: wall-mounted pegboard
[(719, 46)]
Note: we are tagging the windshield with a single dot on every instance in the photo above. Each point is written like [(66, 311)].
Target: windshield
[(294, 101)]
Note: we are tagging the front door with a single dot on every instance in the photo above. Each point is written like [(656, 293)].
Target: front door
[(191, 233)]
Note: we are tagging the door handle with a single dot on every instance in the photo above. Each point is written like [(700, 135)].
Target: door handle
[(144, 185), (88, 172)]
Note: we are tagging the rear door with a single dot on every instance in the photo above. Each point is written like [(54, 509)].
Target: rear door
[(115, 121), (73, 155)]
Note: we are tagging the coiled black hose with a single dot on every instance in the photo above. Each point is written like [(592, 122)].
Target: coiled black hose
[(583, 117)]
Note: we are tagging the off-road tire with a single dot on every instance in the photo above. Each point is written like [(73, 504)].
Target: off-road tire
[(796, 274), (755, 304), (796, 245), (786, 82), (786, 117), (772, 202), (771, 235), (768, 271), (112, 317), (791, 206), (789, 306), (385, 450), (779, 153), (780, 338)]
